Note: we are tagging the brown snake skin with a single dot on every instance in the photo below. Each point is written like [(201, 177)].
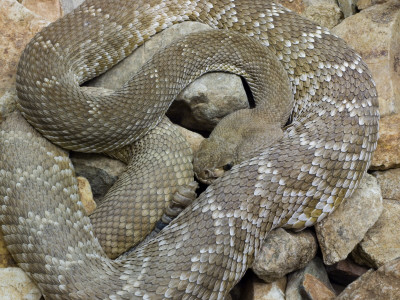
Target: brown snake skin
[(294, 183)]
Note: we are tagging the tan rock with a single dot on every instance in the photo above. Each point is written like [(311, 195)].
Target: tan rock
[(348, 7), (47, 9), (324, 12), (269, 291), (194, 139), (377, 32), (387, 154), (363, 4), (340, 232), (382, 284), (381, 244), (16, 285), (6, 259), (283, 252), (316, 289), (389, 181), (86, 195), (296, 290), (326, 15), (17, 27)]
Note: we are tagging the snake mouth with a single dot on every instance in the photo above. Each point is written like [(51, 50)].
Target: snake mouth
[(208, 176)]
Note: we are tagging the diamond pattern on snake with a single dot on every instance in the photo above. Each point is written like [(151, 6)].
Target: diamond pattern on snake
[(291, 179)]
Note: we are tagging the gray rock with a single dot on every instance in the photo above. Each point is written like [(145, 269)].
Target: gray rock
[(389, 181), (311, 278), (340, 232), (381, 244), (348, 7), (69, 5), (283, 252), (101, 171), (202, 104), (324, 13), (382, 284)]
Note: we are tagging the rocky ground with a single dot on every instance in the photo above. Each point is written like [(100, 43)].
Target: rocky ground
[(352, 254)]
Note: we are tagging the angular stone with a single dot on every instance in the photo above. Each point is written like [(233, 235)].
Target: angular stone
[(283, 252), (16, 285), (315, 289), (86, 195), (296, 290), (381, 244), (363, 4), (348, 7), (389, 181), (387, 154), (324, 12), (69, 5), (268, 291), (47, 9), (381, 284), (345, 271), (378, 42), (339, 233), (101, 171), (8, 102), (17, 27)]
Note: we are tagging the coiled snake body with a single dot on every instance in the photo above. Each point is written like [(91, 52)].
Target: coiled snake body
[(295, 182)]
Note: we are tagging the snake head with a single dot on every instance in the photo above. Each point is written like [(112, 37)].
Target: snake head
[(216, 155)]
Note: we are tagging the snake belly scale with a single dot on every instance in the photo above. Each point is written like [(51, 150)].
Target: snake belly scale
[(294, 183)]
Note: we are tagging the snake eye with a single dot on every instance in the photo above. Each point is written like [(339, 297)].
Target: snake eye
[(227, 167)]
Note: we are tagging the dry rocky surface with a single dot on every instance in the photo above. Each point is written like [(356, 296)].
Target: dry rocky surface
[(353, 254)]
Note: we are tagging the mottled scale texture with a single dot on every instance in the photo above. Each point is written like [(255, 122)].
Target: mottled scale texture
[(293, 183)]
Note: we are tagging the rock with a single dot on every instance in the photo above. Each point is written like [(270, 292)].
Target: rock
[(345, 272), (194, 139), (283, 252), (381, 284), (86, 195), (363, 4), (16, 285), (378, 43), (324, 12), (6, 259), (339, 233), (316, 290), (207, 100), (17, 27), (348, 7), (47, 9), (302, 286), (389, 181), (8, 102), (381, 244), (69, 5), (387, 154), (199, 106), (268, 291), (99, 170)]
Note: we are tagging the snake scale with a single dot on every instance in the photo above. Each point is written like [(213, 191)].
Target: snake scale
[(293, 183)]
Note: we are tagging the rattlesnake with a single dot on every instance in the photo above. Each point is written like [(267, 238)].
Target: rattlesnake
[(296, 181)]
